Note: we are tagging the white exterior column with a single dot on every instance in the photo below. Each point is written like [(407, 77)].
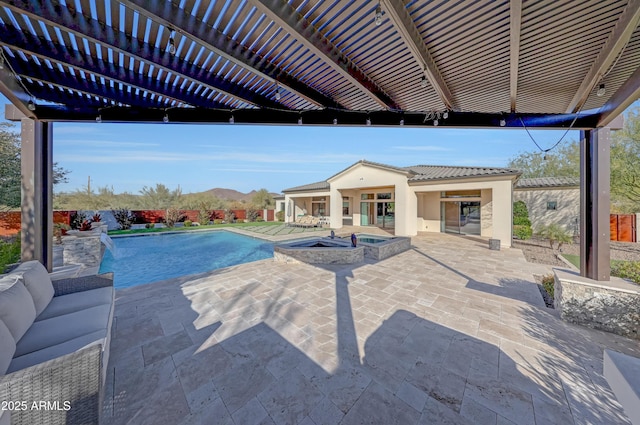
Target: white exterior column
[(406, 214), (335, 208), (502, 212)]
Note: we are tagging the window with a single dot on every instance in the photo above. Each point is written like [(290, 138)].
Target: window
[(552, 205), (366, 196), (345, 206), (384, 195)]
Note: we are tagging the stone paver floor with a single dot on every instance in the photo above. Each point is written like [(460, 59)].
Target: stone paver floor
[(446, 333)]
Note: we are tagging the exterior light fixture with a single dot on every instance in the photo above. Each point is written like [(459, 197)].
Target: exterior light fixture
[(31, 106), (503, 122), (300, 121), (424, 82), (601, 90), (172, 43), (99, 118), (435, 123), (232, 120), (165, 119), (378, 16), (278, 95), (368, 121)]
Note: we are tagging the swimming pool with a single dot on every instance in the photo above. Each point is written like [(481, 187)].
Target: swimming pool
[(149, 258)]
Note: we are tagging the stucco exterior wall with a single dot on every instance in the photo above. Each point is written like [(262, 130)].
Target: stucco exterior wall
[(428, 219), (566, 214), (501, 203), (486, 212)]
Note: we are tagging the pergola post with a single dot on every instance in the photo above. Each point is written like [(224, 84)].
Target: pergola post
[(595, 203), (37, 188)]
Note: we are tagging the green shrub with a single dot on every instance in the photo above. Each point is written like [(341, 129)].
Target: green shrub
[(9, 252), (626, 270), (149, 225), (124, 217), (217, 221), (260, 219), (188, 223), (520, 214), (522, 232), (547, 283), (280, 216)]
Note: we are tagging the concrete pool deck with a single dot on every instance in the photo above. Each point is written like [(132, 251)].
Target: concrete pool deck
[(448, 332)]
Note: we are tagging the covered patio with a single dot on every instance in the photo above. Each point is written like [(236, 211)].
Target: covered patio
[(446, 333)]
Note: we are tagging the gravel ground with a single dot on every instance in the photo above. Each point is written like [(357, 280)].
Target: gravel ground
[(538, 251)]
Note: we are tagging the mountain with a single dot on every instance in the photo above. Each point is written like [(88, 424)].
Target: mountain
[(233, 195)]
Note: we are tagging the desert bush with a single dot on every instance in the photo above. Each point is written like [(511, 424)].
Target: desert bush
[(204, 215), (85, 226), (252, 214), (280, 215), (9, 252), (76, 219), (218, 221), (124, 218), (548, 282), (626, 270), (259, 219), (188, 223), (229, 216), (555, 233), (149, 225), (172, 216)]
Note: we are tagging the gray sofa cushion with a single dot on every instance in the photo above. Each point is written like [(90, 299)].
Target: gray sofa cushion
[(55, 351), (77, 301), (16, 305), (56, 330), (37, 281), (7, 347)]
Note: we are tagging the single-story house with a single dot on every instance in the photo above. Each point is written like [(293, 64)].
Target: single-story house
[(420, 198), (551, 200)]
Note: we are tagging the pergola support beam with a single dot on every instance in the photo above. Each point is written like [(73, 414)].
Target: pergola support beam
[(405, 26), (515, 11), (595, 203), (36, 230)]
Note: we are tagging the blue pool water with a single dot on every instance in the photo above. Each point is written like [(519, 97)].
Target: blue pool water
[(149, 258)]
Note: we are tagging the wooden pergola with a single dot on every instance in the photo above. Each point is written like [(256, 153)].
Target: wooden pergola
[(414, 63)]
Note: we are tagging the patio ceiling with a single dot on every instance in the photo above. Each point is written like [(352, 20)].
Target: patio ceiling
[(323, 62)]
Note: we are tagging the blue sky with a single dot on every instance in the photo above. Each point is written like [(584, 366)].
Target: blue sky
[(245, 157)]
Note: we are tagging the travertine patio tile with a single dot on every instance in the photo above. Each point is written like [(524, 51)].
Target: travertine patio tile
[(487, 352)]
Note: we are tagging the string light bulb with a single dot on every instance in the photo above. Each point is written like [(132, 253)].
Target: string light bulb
[(165, 119), (1, 62), (503, 122), (601, 90), (402, 121), (368, 121), (232, 120), (99, 118), (435, 122), (278, 95), (300, 121), (172, 44), (424, 82), (378, 16), (31, 106), (335, 121), (445, 114)]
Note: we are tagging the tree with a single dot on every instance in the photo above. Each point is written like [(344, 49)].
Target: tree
[(10, 167), (625, 164), (562, 161), (160, 197), (262, 199)]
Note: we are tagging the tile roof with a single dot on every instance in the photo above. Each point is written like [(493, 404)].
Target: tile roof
[(419, 173), (446, 172), (324, 185), (541, 182)]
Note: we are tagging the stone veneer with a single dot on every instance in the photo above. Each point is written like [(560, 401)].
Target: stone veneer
[(332, 255), (612, 306), (83, 248), (382, 250)]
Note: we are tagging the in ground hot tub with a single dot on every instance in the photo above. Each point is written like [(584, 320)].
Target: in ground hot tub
[(319, 251)]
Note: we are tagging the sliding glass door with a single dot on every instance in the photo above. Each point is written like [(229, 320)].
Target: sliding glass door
[(460, 217)]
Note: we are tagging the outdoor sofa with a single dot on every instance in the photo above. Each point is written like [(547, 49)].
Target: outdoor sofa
[(54, 346), (306, 221)]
